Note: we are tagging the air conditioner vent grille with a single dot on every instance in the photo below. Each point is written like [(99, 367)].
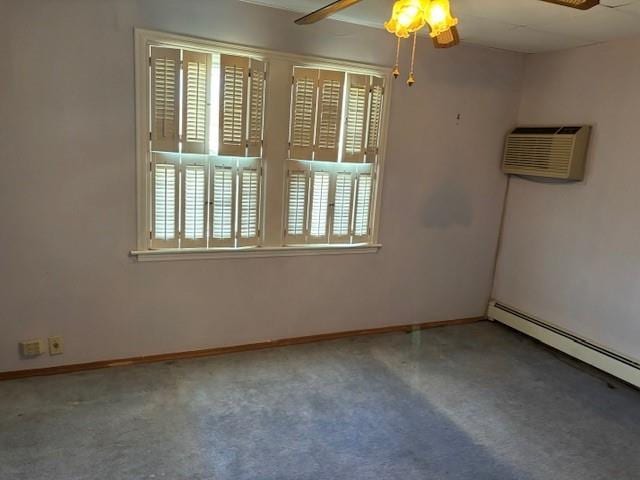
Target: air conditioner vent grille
[(534, 151), (535, 130)]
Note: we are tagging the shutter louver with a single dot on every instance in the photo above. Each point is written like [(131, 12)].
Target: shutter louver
[(356, 118), (234, 73), (256, 108), (165, 99), (362, 209), (223, 208), (195, 102), (296, 206), (249, 204), (194, 204), (303, 113), (319, 207), (164, 203), (375, 119), (331, 86), (342, 208)]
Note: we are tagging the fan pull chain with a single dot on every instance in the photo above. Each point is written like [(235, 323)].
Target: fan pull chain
[(396, 67), (411, 80)]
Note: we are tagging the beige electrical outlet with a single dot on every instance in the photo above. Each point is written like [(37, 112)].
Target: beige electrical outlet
[(55, 346), (32, 348)]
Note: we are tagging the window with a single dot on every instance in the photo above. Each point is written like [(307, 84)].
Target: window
[(205, 161), (333, 149), (240, 149)]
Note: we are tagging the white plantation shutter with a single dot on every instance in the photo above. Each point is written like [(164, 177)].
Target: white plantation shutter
[(204, 130), (256, 108), (195, 101), (356, 117), (194, 203), (376, 100), (223, 206), (165, 99), (330, 87), (234, 73), (342, 207), (297, 196), (303, 113), (362, 210), (164, 201), (319, 209), (249, 195)]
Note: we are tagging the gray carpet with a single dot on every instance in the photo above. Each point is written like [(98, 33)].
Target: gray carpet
[(470, 402)]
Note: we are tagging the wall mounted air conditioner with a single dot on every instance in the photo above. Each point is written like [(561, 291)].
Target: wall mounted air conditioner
[(551, 152)]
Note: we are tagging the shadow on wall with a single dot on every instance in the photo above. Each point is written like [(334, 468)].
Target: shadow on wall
[(447, 206)]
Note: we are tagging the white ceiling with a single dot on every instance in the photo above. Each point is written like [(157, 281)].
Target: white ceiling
[(520, 25)]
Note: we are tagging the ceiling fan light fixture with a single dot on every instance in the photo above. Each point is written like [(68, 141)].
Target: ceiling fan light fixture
[(439, 17), (407, 16)]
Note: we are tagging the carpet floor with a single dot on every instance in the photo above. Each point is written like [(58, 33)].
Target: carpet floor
[(471, 402)]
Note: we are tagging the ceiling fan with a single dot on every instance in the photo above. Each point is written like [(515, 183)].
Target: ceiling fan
[(409, 16), (338, 5)]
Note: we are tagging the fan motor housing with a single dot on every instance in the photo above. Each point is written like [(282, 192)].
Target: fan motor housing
[(550, 152)]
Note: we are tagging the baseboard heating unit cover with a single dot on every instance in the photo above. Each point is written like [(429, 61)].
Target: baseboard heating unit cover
[(614, 363)]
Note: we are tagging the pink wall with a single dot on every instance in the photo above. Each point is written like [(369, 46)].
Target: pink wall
[(68, 198), (571, 253)]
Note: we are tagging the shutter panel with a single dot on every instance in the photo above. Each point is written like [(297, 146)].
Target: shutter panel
[(164, 201), (362, 210), (303, 113), (165, 99), (234, 72), (249, 231), (223, 206), (194, 202), (195, 102), (330, 90), (256, 109), (375, 118), (342, 207), (356, 118), (297, 197), (319, 212)]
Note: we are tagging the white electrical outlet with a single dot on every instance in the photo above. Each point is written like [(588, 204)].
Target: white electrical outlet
[(32, 348), (55, 346)]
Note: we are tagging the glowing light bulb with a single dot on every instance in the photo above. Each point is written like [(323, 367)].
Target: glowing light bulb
[(408, 16), (436, 15), (439, 18)]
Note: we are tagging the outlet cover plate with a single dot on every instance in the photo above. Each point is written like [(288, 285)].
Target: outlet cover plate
[(56, 346)]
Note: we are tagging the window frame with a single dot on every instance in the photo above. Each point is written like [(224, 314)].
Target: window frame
[(144, 39)]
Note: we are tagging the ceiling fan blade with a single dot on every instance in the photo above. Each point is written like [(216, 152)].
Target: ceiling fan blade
[(326, 11), (447, 39), (579, 4)]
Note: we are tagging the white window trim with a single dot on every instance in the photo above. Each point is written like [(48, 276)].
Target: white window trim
[(172, 254), (143, 40)]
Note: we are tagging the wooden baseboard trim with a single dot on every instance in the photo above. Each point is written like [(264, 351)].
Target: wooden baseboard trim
[(209, 352)]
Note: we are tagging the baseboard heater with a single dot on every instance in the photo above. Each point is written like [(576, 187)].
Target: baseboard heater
[(589, 352)]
